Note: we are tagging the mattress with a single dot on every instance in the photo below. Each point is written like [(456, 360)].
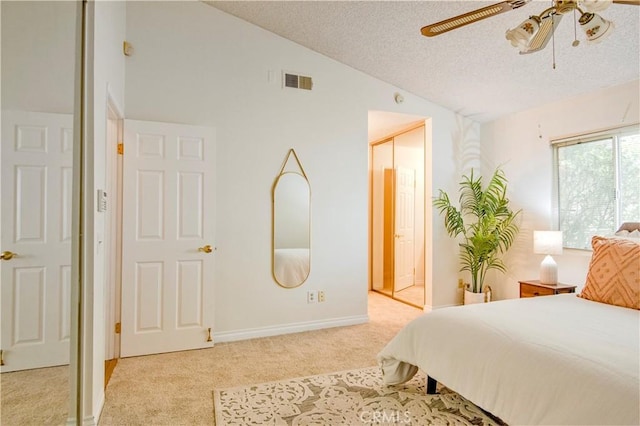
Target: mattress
[(545, 360)]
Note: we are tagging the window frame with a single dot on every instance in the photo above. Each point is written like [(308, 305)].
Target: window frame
[(614, 134)]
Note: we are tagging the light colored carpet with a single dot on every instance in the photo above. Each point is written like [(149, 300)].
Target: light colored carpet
[(355, 397), (35, 397), (175, 388)]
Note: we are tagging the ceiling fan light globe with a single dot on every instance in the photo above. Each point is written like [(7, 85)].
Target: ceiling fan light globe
[(595, 27), (514, 38), (522, 35), (594, 6)]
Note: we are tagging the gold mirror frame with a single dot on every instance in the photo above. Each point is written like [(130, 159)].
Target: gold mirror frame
[(291, 225)]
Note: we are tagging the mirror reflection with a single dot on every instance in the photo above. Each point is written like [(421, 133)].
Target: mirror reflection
[(291, 226), (38, 54), (398, 216)]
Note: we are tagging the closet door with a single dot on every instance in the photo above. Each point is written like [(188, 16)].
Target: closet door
[(404, 247), (397, 216), (382, 217)]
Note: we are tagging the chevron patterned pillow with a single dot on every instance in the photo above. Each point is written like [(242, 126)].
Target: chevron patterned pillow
[(614, 272)]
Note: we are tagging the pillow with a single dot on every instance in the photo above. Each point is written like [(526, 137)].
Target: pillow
[(629, 226), (633, 235), (614, 272)]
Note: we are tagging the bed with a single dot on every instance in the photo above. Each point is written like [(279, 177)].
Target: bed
[(563, 359), (291, 266)]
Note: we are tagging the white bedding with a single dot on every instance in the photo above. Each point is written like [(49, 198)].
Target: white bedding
[(291, 266), (558, 360)]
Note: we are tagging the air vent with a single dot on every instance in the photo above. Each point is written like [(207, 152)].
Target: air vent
[(297, 81)]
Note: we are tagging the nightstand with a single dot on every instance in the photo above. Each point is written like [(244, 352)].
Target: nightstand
[(533, 288)]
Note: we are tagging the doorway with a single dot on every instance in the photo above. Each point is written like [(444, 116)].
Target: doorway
[(113, 234), (397, 215)]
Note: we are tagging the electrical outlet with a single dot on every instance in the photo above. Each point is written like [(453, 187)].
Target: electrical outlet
[(312, 296), (320, 296)]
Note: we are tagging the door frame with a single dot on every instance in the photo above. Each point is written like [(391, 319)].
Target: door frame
[(113, 227), (427, 216)]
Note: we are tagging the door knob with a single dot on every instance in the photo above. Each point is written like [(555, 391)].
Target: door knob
[(7, 255), (206, 249)]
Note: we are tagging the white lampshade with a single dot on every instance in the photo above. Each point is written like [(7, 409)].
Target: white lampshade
[(522, 35), (548, 242), (595, 27)]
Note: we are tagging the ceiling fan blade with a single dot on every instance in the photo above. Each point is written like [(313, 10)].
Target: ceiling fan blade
[(630, 2), (547, 27), (471, 17)]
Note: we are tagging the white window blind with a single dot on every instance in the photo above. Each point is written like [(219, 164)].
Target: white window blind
[(598, 184)]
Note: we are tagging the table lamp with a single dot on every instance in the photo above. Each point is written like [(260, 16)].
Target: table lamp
[(548, 242)]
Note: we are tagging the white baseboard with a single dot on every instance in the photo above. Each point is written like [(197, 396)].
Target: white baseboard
[(88, 421), (252, 333), (429, 308), (98, 409)]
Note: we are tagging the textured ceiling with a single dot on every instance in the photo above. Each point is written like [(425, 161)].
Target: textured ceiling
[(472, 70)]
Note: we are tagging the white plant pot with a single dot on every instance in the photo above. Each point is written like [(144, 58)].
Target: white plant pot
[(471, 297)]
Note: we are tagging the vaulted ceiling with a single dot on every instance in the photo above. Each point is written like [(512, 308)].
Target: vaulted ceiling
[(472, 70)]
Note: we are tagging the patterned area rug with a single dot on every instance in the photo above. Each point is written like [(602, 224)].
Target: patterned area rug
[(355, 397)]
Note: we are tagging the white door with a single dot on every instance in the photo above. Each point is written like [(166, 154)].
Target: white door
[(36, 224), (404, 249), (168, 224)]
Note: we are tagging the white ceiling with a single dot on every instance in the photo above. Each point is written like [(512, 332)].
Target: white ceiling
[(472, 70)]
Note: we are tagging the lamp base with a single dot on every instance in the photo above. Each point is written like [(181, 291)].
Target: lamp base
[(549, 271)]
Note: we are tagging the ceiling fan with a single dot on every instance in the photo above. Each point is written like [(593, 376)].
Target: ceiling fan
[(535, 32)]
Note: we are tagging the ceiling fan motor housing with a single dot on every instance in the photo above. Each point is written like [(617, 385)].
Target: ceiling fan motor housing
[(566, 6)]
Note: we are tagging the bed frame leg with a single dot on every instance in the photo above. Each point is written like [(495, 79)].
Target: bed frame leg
[(431, 385)]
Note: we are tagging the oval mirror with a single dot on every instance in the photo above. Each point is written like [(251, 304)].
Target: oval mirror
[(291, 226)]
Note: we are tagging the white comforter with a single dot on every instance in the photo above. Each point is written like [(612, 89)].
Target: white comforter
[(558, 360), (291, 266)]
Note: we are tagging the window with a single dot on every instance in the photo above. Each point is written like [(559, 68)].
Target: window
[(598, 184)]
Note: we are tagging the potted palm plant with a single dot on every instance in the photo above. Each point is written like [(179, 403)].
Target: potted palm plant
[(485, 222)]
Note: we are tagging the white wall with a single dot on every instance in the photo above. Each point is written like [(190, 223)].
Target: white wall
[(451, 156), (194, 64), (520, 142)]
